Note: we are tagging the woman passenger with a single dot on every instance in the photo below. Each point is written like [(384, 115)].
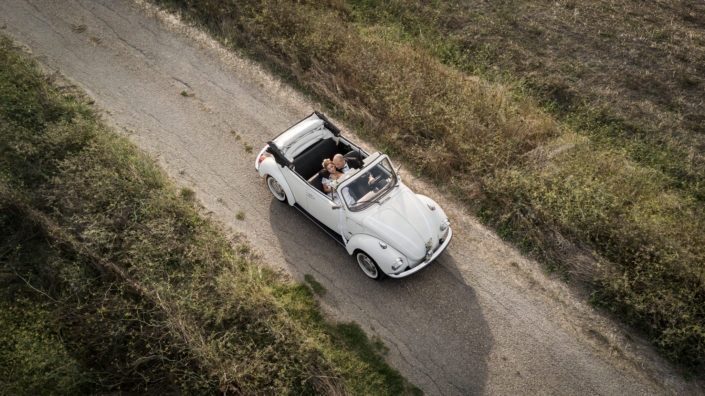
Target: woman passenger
[(330, 182)]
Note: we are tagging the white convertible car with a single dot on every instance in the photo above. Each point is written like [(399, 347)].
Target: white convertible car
[(388, 228)]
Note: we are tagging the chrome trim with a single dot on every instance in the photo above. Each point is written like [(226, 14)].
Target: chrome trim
[(445, 224), (427, 262)]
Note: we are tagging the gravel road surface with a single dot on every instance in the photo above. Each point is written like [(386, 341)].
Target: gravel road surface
[(480, 320)]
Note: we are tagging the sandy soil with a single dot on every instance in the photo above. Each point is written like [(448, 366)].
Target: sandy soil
[(481, 320)]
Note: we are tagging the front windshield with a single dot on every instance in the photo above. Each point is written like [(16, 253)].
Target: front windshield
[(369, 186)]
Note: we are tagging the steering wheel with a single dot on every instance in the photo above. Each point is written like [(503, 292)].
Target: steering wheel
[(375, 182)]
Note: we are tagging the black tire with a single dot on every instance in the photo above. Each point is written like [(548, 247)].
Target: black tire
[(276, 189), (368, 266)]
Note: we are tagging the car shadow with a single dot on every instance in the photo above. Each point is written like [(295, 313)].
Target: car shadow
[(431, 321)]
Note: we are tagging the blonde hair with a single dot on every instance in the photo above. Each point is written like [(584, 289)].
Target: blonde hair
[(327, 162)]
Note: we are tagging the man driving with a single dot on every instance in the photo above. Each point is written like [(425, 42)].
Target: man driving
[(344, 164)]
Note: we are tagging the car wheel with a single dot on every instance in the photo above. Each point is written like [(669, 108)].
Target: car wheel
[(368, 266), (276, 189)]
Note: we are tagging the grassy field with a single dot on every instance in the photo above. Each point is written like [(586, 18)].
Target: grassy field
[(110, 280), (576, 129)]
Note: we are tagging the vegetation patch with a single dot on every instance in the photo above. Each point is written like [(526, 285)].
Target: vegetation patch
[(550, 120), (317, 288), (111, 282)]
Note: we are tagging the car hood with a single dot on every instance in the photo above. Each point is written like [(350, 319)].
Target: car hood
[(403, 221)]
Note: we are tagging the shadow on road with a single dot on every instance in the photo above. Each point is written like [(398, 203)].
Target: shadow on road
[(431, 321)]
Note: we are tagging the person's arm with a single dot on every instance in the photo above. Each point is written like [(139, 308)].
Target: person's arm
[(326, 187), (354, 162)]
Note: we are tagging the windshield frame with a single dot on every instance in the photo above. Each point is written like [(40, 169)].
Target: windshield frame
[(359, 173)]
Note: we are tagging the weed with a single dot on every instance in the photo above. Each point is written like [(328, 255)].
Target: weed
[(33, 351), (187, 194), (76, 28), (240, 215), (505, 231), (243, 249), (352, 336), (484, 215), (526, 245), (379, 346), (318, 288)]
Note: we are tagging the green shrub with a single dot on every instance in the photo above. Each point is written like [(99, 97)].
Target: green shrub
[(32, 358)]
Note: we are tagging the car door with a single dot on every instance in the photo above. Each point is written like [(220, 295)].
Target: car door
[(312, 200), (324, 209), (299, 187)]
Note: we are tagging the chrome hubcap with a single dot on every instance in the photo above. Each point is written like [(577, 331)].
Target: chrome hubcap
[(276, 189), (368, 267)]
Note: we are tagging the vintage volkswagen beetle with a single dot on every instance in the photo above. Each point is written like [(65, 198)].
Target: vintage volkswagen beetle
[(389, 229)]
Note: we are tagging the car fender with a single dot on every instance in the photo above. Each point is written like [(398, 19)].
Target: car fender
[(438, 211), (269, 166), (385, 256)]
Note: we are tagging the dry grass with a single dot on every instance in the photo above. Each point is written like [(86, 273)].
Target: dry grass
[(622, 73)]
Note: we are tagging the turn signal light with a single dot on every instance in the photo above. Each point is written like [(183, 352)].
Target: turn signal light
[(261, 158), (397, 263)]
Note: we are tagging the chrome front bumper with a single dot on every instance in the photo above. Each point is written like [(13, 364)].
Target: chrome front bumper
[(428, 261)]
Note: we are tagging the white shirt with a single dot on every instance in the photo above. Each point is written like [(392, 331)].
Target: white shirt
[(333, 195)]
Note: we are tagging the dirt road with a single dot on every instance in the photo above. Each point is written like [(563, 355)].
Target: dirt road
[(481, 320)]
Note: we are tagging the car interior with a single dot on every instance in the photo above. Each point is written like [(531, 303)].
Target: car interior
[(308, 164)]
